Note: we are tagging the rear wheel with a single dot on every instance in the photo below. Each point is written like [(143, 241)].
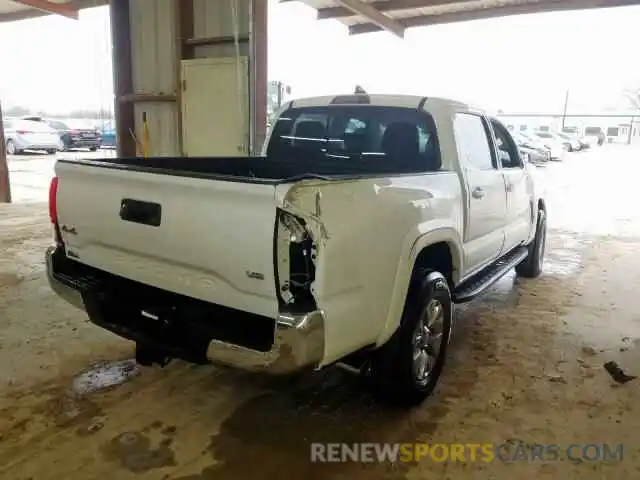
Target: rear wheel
[(51, 152), (407, 368), (12, 148), (531, 266), (93, 149)]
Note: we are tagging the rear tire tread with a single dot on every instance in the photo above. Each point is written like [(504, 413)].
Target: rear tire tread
[(531, 267), (392, 364)]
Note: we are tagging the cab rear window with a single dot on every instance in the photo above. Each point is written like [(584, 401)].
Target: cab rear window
[(389, 138)]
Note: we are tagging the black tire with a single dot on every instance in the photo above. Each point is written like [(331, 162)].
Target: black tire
[(531, 267), (393, 369), (52, 152), (93, 149)]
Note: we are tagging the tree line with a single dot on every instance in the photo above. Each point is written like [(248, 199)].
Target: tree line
[(20, 111)]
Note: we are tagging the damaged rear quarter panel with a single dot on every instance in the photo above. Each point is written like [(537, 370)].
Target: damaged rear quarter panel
[(364, 230)]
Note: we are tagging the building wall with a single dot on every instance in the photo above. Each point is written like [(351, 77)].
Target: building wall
[(154, 59), (156, 53), (221, 18)]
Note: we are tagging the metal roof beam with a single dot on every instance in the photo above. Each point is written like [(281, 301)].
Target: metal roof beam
[(64, 9), (382, 6), (375, 16), (495, 12)]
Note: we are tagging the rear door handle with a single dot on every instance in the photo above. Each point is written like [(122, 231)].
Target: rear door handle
[(137, 211), (477, 192)]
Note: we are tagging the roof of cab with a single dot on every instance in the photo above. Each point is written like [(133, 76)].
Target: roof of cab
[(382, 100)]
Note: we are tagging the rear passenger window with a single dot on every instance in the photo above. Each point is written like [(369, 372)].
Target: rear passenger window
[(473, 144), (369, 138)]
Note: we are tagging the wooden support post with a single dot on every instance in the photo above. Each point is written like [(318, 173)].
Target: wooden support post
[(258, 75), (122, 76), (185, 51), (5, 186)]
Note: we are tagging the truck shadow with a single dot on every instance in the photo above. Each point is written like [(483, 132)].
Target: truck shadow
[(271, 434)]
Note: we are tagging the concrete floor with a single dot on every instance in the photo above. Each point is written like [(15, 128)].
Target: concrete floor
[(526, 366)]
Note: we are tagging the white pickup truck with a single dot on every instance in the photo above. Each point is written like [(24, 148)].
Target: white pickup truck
[(348, 241)]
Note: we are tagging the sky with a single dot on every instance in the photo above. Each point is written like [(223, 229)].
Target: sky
[(517, 64)]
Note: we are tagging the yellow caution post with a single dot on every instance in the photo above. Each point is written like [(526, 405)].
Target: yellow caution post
[(145, 135)]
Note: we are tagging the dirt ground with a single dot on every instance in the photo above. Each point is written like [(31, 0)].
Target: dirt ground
[(526, 365)]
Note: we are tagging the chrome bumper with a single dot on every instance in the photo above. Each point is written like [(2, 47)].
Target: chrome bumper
[(298, 344), (298, 338), (65, 292)]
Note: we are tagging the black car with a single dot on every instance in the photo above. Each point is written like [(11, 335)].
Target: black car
[(77, 134)]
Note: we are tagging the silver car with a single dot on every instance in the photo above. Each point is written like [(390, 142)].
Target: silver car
[(21, 135)]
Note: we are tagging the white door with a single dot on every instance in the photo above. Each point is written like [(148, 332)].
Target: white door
[(215, 107), (485, 193), (519, 208)]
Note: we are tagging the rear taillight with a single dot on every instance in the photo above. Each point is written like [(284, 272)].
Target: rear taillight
[(23, 132), (53, 209), (53, 200)]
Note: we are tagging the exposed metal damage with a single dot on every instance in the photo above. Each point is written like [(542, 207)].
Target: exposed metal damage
[(297, 255), (300, 237)]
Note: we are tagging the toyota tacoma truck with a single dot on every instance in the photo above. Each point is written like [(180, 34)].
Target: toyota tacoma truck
[(348, 241)]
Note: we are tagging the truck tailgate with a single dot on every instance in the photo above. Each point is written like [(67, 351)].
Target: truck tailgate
[(203, 238)]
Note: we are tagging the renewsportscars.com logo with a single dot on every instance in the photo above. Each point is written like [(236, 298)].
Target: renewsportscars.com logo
[(465, 452)]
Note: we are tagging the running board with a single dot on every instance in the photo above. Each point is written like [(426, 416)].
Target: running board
[(474, 286)]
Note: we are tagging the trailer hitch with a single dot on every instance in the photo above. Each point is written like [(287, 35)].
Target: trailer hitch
[(148, 356)]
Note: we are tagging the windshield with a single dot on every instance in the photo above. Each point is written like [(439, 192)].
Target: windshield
[(30, 126), (58, 125), (373, 138)]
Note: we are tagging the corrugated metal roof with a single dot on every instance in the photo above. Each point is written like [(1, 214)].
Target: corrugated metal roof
[(397, 15)]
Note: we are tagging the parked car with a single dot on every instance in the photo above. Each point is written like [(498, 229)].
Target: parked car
[(548, 134), (536, 154), (21, 135), (575, 132), (77, 134), (537, 142), (573, 143), (289, 288), (108, 135), (556, 148)]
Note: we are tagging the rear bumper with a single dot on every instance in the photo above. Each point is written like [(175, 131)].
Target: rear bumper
[(296, 343), (22, 145), (84, 143), (61, 288)]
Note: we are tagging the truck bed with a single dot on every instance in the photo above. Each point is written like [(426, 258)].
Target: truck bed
[(254, 169), (144, 220)]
